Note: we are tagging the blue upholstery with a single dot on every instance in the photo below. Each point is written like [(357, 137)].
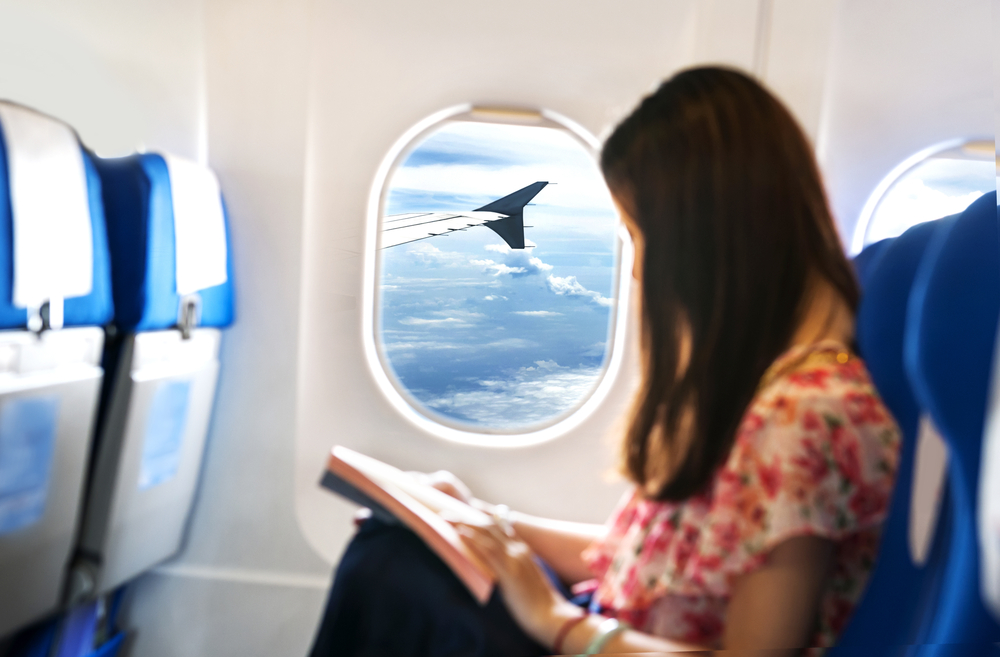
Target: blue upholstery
[(948, 353), (865, 261), (72, 633), (895, 601), (141, 233), (95, 309)]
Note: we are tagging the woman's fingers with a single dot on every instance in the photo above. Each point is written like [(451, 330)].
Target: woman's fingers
[(527, 593), (497, 534), (483, 537), (490, 540), (484, 548), (449, 484), (509, 545)]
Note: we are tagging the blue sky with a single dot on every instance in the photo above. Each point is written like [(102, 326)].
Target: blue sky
[(487, 336)]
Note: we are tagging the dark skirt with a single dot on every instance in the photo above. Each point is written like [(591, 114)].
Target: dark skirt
[(393, 597)]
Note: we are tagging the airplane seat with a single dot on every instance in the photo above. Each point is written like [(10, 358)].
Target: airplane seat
[(172, 283), (989, 495), (891, 610), (948, 353), (865, 261), (55, 296)]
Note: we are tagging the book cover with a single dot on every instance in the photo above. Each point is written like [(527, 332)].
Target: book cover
[(395, 496)]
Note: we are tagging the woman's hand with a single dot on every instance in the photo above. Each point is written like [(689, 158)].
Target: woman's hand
[(529, 595), (447, 483), (536, 605)]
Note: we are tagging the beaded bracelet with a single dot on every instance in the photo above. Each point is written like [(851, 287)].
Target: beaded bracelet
[(606, 631), (564, 632)]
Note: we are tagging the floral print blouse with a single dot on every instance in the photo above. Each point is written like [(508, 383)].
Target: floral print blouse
[(815, 454)]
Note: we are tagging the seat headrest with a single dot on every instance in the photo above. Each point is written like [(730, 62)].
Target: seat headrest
[(165, 214), (53, 245)]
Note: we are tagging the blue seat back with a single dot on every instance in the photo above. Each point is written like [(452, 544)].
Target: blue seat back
[(899, 592), (865, 261), (948, 353), (52, 382), (141, 231), (94, 309), (154, 415)]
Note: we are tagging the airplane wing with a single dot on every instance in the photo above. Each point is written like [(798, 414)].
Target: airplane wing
[(505, 217), (403, 228)]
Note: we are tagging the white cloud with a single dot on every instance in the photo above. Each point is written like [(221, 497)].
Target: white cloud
[(539, 265), (530, 396), (517, 262), (450, 317), (497, 268), (512, 343), (494, 297), (517, 258), (420, 321), (460, 314), (428, 254), (421, 345), (569, 286), (428, 283), (537, 313), (504, 269)]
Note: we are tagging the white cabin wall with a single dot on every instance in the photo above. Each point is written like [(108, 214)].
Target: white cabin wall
[(796, 55), (126, 75), (784, 43), (164, 76), (246, 582), (904, 75), (996, 81), (726, 32)]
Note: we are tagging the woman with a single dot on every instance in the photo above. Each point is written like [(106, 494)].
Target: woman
[(761, 456)]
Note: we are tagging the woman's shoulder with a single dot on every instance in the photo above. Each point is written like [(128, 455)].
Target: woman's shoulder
[(818, 440), (823, 391)]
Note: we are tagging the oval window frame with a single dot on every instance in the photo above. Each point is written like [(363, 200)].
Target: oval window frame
[(897, 173), (395, 392)]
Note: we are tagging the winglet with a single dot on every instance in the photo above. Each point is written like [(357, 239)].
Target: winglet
[(511, 228), (514, 203)]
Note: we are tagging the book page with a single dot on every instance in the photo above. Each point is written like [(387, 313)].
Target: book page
[(441, 503)]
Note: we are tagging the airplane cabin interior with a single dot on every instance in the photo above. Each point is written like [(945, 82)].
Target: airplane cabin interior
[(237, 233)]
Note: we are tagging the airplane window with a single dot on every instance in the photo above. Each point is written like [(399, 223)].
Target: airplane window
[(934, 183), (496, 276)]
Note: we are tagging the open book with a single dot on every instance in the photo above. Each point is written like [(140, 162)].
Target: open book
[(395, 496)]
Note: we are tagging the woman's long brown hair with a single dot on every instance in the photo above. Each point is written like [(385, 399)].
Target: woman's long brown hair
[(723, 185)]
